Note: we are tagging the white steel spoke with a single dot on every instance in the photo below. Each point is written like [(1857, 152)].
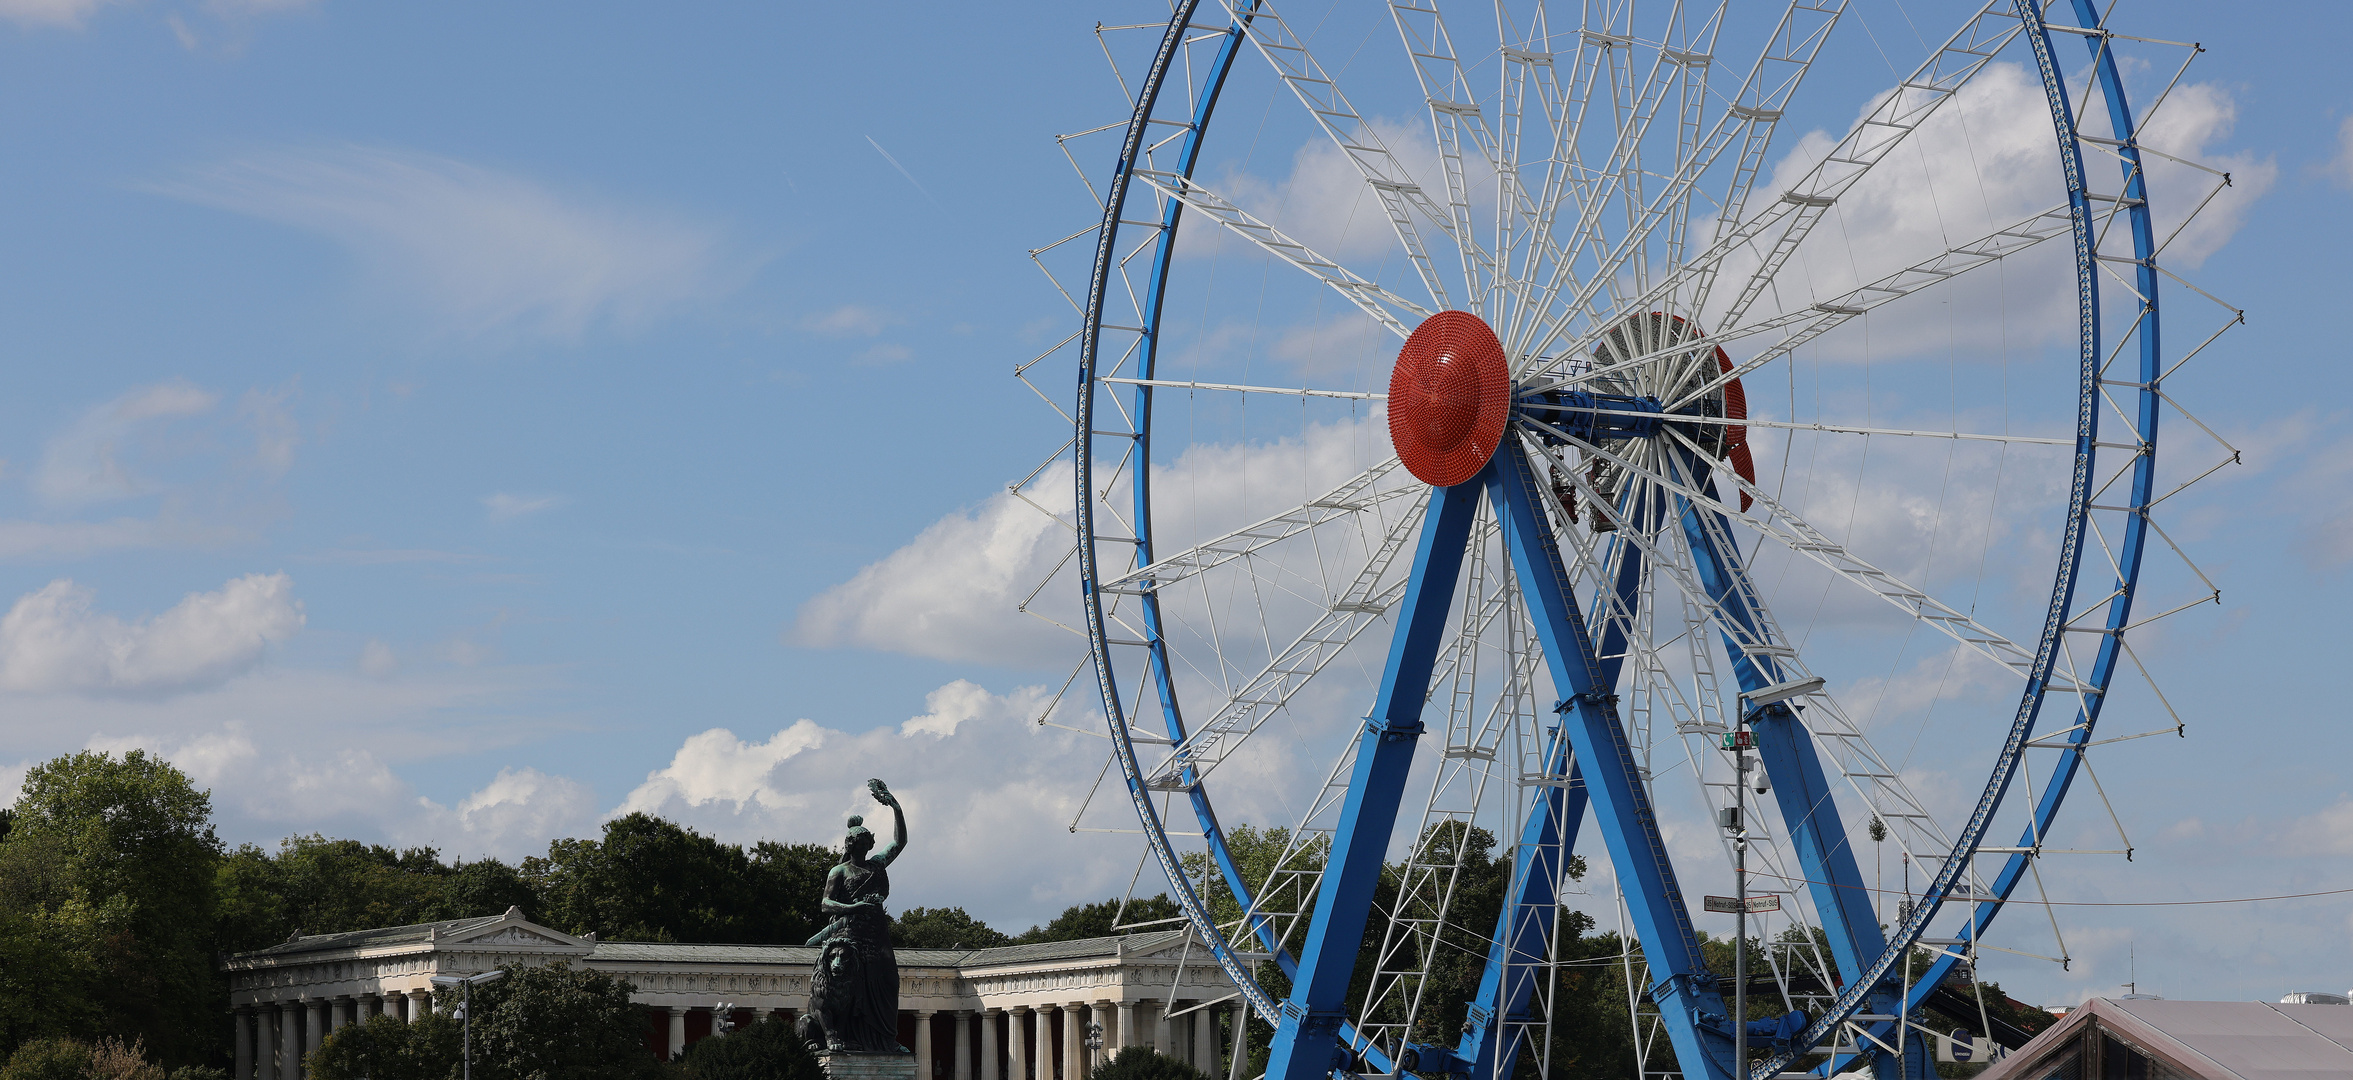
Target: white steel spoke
[(1794, 533), (1843, 429), (1360, 605), (1812, 322), (1287, 391), (1400, 196), (1909, 105), (1375, 300), (1352, 497)]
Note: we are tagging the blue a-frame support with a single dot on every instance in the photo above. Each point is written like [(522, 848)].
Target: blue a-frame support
[(1307, 1036)]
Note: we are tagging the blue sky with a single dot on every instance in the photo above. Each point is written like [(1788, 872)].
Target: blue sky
[(452, 424)]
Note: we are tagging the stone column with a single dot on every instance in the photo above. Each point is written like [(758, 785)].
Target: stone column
[(420, 1003), (990, 1020), (1074, 1042), (677, 1030), (1159, 1028), (289, 1042), (963, 1056), (314, 1032), (1127, 1029), (1044, 1042), (1205, 1040), (241, 1033), (1100, 1015), (1016, 1045), (1239, 1052), (923, 1044)]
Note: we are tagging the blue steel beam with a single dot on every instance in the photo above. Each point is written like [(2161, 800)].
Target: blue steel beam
[(1683, 987), (1307, 1042), (1489, 1047), (1802, 791)]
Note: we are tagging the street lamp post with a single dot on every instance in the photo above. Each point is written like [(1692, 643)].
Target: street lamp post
[(466, 1007), (1094, 1042)]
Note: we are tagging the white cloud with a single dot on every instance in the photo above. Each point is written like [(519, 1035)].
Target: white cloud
[(86, 463), (52, 640), (848, 320), (481, 249), (68, 13), (516, 813), (377, 659), (715, 766), (1983, 162), (989, 796), (951, 593), (504, 506)]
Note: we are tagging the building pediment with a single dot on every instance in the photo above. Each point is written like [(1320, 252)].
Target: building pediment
[(512, 931)]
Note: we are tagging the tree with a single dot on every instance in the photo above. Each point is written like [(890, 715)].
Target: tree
[(1145, 1063), (943, 928), (787, 881), (484, 887), (113, 859), (648, 879), (388, 1048), (1107, 918), (765, 1050), (555, 1023)]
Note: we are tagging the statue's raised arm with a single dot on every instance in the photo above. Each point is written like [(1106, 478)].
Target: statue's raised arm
[(898, 819)]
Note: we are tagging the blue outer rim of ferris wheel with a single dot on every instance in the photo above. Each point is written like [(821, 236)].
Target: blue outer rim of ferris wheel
[(2130, 550)]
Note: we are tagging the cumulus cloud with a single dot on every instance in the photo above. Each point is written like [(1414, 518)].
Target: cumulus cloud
[(54, 641), (952, 592), (1982, 162), (515, 814), (715, 766), (481, 249), (989, 794)]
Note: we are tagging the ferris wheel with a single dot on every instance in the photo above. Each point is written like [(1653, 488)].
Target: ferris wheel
[(1534, 470)]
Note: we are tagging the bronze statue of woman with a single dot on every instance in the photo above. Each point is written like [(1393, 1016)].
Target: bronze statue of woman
[(863, 1015)]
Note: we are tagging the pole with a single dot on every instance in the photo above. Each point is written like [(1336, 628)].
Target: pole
[(1739, 918), (469, 1028)]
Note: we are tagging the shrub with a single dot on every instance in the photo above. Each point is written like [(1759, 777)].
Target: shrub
[(388, 1048), (1145, 1063), (766, 1050), (111, 1060), (48, 1059)]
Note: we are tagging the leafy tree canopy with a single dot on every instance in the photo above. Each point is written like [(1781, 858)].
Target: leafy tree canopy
[(649, 879), (388, 1048), (943, 928), (555, 1023), (1106, 919), (766, 1050), (106, 875)]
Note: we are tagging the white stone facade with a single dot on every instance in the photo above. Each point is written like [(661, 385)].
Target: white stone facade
[(985, 1014)]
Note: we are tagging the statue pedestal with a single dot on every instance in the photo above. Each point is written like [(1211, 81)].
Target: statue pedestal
[(868, 1066)]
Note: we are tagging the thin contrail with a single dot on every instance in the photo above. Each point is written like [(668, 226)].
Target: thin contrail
[(886, 156)]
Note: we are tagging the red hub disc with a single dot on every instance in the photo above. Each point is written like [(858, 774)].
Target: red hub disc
[(1449, 398)]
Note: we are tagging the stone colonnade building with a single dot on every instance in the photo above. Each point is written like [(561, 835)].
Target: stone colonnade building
[(1013, 1013)]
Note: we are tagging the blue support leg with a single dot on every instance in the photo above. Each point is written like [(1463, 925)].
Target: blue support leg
[(1801, 790), (1489, 1047), (1683, 987), (1307, 1036)]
